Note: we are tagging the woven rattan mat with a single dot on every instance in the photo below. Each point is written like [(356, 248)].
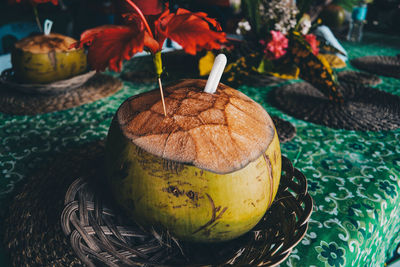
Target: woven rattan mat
[(350, 76), (34, 236), (364, 109), (33, 233), (286, 131), (18, 103), (381, 65)]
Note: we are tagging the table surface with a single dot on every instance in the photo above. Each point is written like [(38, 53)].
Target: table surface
[(353, 177)]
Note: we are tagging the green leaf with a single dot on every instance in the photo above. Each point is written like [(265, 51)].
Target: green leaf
[(265, 66), (251, 13)]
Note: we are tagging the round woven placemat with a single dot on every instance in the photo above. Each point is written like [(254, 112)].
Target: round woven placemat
[(32, 228), (381, 65), (34, 236), (8, 80), (18, 103), (286, 131), (350, 76), (364, 109), (100, 236)]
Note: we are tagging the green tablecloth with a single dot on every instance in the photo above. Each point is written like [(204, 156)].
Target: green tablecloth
[(353, 177)]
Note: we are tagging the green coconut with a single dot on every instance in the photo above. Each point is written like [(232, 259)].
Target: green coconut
[(44, 59), (206, 172)]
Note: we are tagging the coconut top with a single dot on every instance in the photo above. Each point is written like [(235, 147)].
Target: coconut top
[(45, 43), (220, 132)]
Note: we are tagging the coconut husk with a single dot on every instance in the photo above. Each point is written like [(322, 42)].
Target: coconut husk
[(382, 65), (227, 124), (19, 103), (53, 200), (364, 109), (44, 43)]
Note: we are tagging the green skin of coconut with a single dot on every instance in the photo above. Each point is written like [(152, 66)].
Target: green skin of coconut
[(37, 68), (190, 203)]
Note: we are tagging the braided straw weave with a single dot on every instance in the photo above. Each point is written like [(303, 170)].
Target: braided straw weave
[(286, 131), (20, 103), (57, 87), (364, 108), (349, 76), (100, 236), (381, 65)]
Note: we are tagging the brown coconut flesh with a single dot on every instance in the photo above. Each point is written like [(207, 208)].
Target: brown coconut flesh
[(220, 132)]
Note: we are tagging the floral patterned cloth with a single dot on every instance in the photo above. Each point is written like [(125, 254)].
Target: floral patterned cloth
[(353, 177)]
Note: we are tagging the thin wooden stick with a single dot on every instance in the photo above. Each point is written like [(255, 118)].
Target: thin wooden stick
[(35, 11), (162, 96)]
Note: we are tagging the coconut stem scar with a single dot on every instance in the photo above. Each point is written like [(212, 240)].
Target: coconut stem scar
[(215, 74)]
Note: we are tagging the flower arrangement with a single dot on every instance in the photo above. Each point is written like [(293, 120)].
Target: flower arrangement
[(110, 45), (276, 41)]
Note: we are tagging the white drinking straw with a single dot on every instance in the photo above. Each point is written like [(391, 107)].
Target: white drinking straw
[(47, 26), (215, 74)]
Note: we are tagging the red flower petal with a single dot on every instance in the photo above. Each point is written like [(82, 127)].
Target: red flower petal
[(109, 45), (148, 7), (191, 30), (276, 47), (159, 26), (312, 40), (202, 15)]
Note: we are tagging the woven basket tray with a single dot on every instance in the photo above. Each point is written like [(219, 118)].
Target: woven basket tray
[(99, 236), (18, 103), (7, 79), (286, 131)]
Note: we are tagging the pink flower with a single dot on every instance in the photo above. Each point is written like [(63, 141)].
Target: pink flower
[(312, 40), (276, 47)]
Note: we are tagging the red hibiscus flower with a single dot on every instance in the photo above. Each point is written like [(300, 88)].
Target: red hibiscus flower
[(33, 2), (110, 45), (312, 40), (276, 48)]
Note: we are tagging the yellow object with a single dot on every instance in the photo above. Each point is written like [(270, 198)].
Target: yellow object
[(46, 59), (206, 63), (334, 61), (193, 204), (292, 74), (158, 63)]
